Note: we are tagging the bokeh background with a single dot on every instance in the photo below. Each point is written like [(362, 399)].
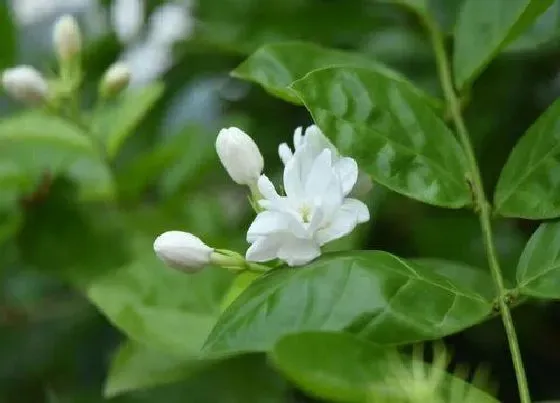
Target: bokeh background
[(56, 346)]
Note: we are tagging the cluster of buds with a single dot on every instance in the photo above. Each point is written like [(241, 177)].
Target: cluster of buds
[(244, 163), (27, 85)]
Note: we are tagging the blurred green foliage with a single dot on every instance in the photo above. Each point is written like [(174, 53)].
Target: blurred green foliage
[(76, 238)]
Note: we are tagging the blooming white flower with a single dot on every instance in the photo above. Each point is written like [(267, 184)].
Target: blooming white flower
[(315, 142), (239, 155), (67, 37), (25, 84), (182, 250), (115, 79), (314, 210)]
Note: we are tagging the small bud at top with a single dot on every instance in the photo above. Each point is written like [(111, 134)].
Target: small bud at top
[(183, 251), (67, 38), (239, 155), (115, 79), (25, 84)]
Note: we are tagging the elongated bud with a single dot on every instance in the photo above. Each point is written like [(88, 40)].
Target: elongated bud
[(25, 84), (239, 155), (67, 38), (115, 79), (183, 251)]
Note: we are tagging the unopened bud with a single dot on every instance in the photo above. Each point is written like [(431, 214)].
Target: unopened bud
[(183, 251), (25, 84), (115, 79), (67, 38), (239, 155)]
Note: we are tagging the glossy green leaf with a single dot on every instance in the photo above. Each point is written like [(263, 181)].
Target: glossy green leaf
[(371, 293), (136, 367), (538, 271), (276, 66), (529, 185), (117, 120), (390, 131), (343, 368), (484, 28)]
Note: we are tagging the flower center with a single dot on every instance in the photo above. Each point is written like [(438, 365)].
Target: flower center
[(305, 212)]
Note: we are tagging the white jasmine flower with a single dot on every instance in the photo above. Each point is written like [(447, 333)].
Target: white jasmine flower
[(67, 37), (183, 251), (314, 210), (25, 84), (239, 155), (315, 142)]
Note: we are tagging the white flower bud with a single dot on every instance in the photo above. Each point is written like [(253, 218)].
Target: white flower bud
[(239, 155), (115, 79), (182, 250), (25, 84), (67, 38)]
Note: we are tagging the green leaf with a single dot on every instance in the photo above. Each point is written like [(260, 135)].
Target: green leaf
[(136, 367), (390, 131), (239, 284), (543, 34), (113, 123), (343, 368), (33, 143), (157, 306), (538, 271), (276, 66), (484, 28), (528, 186), (371, 293), (232, 380)]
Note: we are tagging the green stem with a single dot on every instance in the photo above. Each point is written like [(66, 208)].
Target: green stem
[(481, 203)]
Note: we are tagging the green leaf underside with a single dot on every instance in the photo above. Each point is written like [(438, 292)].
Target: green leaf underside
[(529, 185), (340, 367), (370, 293), (538, 271), (390, 131), (275, 67), (484, 28)]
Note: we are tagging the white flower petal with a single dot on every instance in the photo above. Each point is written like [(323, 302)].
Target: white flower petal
[(265, 223), (266, 188), (351, 213), (320, 176), (359, 209), (264, 249), (293, 185), (297, 252), (317, 141), (347, 169), (285, 153), (298, 138)]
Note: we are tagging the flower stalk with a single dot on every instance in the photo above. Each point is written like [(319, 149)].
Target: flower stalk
[(481, 204)]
